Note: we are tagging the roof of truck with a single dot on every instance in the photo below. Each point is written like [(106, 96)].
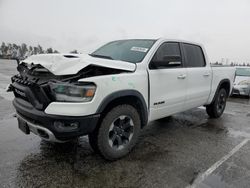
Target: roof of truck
[(179, 40), (163, 39)]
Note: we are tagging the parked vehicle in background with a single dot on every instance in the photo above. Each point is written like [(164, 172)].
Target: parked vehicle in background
[(242, 81), (111, 94)]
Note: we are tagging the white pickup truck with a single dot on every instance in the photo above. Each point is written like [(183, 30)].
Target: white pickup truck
[(112, 93)]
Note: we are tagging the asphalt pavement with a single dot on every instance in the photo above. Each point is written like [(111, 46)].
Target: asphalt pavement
[(186, 150)]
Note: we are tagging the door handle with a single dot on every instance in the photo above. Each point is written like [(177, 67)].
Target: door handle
[(182, 76), (206, 74)]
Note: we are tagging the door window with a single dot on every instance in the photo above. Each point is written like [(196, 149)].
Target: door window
[(166, 49), (194, 56)]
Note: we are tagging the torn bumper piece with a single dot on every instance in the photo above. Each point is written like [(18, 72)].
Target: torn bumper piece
[(55, 128)]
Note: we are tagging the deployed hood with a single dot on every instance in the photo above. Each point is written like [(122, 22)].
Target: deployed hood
[(66, 64)]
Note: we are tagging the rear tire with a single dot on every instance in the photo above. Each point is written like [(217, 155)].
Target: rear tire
[(118, 132), (217, 107)]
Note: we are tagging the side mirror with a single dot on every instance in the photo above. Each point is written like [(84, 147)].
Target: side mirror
[(169, 61), (172, 58)]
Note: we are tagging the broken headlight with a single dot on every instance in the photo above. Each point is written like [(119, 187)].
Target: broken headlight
[(65, 92)]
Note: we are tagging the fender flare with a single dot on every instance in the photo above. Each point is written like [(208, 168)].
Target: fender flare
[(126, 93), (219, 86)]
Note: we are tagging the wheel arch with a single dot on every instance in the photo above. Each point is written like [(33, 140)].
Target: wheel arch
[(131, 97), (225, 83)]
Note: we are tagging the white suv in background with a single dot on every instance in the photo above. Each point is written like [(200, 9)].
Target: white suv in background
[(242, 81)]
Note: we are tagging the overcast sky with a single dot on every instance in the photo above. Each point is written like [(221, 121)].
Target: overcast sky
[(223, 26)]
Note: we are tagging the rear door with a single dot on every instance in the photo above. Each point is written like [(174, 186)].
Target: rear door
[(167, 84), (199, 75)]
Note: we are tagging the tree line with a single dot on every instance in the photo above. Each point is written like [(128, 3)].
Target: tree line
[(15, 51), (232, 64)]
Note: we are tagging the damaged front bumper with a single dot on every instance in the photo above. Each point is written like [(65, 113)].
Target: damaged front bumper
[(54, 128)]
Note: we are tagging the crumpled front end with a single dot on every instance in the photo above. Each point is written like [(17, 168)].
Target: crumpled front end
[(39, 84)]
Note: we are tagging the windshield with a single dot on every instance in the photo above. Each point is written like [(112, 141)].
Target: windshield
[(243, 72), (132, 51)]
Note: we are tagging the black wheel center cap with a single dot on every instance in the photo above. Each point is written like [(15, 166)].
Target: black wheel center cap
[(119, 131)]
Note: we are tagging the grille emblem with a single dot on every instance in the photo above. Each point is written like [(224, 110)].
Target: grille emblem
[(20, 93)]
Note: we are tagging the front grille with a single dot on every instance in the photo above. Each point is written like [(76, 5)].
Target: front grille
[(18, 95), (20, 80), (30, 91)]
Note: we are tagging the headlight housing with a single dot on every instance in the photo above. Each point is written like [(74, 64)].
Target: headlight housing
[(72, 92), (244, 82)]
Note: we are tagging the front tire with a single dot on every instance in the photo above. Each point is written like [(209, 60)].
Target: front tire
[(217, 107), (117, 133)]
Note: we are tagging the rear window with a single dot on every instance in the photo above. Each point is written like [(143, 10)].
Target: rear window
[(243, 72), (193, 55)]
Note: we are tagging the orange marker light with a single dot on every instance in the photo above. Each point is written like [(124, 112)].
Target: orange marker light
[(90, 93)]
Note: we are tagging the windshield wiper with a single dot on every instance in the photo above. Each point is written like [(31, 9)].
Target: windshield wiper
[(101, 56)]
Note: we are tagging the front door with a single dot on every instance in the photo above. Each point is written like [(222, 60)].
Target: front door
[(168, 85)]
